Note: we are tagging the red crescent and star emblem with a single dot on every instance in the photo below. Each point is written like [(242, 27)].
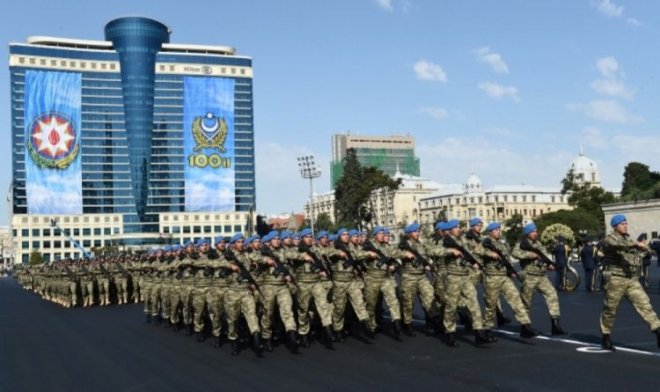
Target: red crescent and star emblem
[(53, 139)]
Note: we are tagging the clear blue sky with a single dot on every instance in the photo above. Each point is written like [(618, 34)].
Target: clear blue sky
[(506, 89)]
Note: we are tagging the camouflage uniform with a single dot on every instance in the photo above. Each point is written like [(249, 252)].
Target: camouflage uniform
[(276, 292), (239, 299), (534, 278), (215, 297), (415, 282), (621, 265), (497, 282), (347, 286), (379, 279), (310, 286)]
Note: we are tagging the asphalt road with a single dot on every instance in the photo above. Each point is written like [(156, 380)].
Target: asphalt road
[(44, 347)]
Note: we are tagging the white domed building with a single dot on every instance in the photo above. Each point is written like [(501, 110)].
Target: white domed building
[(585, 170)]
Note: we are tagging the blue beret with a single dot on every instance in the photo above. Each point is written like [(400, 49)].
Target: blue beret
[(376, 230), (295, 236), (617, 220), (274, 233), (305, 232), (440, 226), (236, 237), (201, 242), (267, 237), (321, 234), (386, 230), (218, 239), (332, 237), (167, 248), (452, 224), (252, 238), (530, 227), (187, 244), (177, 248), (493, 226), (353, 232), (341, 231), (285, 234), (475, 221), (411, 228)]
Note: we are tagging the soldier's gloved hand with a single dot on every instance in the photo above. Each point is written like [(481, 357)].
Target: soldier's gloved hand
[(270, 262), (323, 274), (475, 266), (391, 268), (551, 267), (234, 268), (409, 255), (427, 269), (287, 278)]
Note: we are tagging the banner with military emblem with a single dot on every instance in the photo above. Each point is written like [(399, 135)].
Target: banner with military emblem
[(208, 146), (52, 120)]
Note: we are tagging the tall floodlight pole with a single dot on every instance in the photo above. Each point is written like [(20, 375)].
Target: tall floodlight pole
[(309, 170)]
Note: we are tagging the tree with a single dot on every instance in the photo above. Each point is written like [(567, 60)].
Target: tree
[(639, 183), (36, 257), (323, 222), (579, 220), (354, 187), (513, 229), (586, 198)]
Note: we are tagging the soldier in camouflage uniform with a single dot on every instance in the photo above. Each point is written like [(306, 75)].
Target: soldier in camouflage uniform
[(414, 279), (239, 298), (534, 275), (215, 297), (148, 272), (621, 267), (460, 284), (498, 282), (86, 283), (276, 278), (201, 283), (379, 278), (312, 284)]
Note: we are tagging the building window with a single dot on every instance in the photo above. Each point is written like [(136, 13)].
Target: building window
[(87, 231), (237, 228), (186, 229), (227, 229), (106, 231), (35, 232), (207, 229), (25, 232), (25, 244), (197, 229), (533, 199), (97, 231), (76, 232)]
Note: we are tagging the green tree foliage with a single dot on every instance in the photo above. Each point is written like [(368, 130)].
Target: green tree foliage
[(586, 199), (513, 229), (550, 234), (323, 222), (36, 257), (354, 187), (579, 220), (639, 183)]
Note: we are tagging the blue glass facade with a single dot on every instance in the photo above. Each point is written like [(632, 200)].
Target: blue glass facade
[(132, 121)]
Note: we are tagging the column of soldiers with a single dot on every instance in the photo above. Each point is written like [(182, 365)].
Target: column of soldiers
[(99, 281), (294, 287)]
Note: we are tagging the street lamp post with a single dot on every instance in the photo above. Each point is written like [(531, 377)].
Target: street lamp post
[(309, 170)]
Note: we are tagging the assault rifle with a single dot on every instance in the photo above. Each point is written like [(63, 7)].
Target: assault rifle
[(245, 274), (503, 260), (317, 264), (280, 268), (382, 258), (419, 259), (450, 242), (526, 245), (357, 265)]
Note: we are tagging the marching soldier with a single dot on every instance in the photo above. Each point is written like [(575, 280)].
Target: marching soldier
[(621, 265), (379, 278), (239, 298), (534, 263), (215, 297), (276, 278), (201, 283), (415, 281), (499, 282), (460, 284)]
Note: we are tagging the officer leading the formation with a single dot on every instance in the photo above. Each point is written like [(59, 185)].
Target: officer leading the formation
[(621, 266)]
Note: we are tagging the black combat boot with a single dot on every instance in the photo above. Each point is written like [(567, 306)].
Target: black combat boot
[(256, 344), (190, 330), (200, 336), (606, 343), (148, 318), (218, 342), (501, 318), (268, 345), (450, 340), (234, 347), (438, 325), (556, 328), (408, 330), (527, 332), (328, 337), (291, 342), (337, 336), (304, 341), (488, 334), (396, 327), (366, 330), (480, 337), (465, 318)]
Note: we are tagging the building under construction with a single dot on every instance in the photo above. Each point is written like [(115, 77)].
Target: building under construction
[(391, 154)]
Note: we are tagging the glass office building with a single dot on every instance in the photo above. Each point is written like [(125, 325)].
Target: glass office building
[(130, 141)]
